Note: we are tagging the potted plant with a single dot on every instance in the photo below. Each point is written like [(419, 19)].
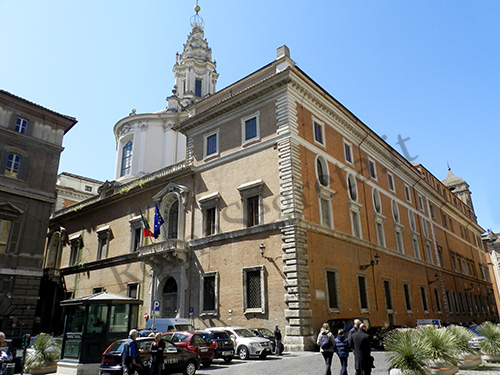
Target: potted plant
[(490, 345), (43, 356), (443, 350), (408, 352), (468, 358)]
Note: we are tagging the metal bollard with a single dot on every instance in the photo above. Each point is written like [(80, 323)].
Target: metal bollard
[(9, 369)]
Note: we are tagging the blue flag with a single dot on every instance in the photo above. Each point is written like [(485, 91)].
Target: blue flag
[(158, 221)]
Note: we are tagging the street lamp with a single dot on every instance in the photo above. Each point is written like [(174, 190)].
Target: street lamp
[(371, 264)]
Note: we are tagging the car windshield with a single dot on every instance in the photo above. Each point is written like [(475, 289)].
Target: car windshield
[(184, 327), (116, 347), (243, 332), (266, 332), (220, 335)]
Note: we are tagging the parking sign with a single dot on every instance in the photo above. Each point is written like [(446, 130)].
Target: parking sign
[(156, 305)]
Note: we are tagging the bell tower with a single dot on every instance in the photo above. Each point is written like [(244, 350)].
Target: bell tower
[(195, 72)]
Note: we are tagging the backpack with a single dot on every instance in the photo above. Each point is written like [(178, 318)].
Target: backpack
[(325, 342)]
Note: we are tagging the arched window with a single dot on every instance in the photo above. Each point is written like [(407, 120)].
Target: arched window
[(126, 159), (322, 171), (395, 211), (352, 188), (173, 220)]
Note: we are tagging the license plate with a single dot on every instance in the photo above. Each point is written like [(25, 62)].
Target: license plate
[(203, 349), (229, 352)]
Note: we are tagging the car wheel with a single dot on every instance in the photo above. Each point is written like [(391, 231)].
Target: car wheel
[(243, 352), (228, 359), (190, 368), (206, 364), (263, 356)]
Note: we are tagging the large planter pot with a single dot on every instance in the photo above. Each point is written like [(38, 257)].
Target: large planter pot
[(442, 368), (396, 371), (491, 357), (43, 370), (469, 360)]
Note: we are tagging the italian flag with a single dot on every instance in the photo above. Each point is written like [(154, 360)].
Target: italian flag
[(145, 226)]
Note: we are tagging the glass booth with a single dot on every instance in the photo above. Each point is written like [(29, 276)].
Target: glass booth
[(92, 323)]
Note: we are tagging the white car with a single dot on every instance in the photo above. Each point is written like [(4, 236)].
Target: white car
[(246, 344)]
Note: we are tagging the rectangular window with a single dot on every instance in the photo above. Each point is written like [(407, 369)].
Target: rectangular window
[(348, 153), (75, 245), (209, 303), (136, 238), (133, 290), (388, 294), (326, 214), (13, 164), (372, 168), (407, 193), (363, 296), (99, 289), (423, 295), (21, 125), (88, 188), (211, 145), (5, 226), (448, 300), (431, 208), (102, 244), (319, 133), (380, 233), (331, 278), (416, 249), (253, 290), (451, 223), (420, 203), (445, 222), (210, 227), (406, 291), (437, 300), (399, 241), (197, 87), (251, 128), (252, 208), (355, 223), (455, 301), (428, 251), (440, 255), (390, 180)]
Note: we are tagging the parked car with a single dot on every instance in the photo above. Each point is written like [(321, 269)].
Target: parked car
[(176, 359), (475, 342), (267, 334), (164, 325), (222, 344), (197, 342), (246, 343)]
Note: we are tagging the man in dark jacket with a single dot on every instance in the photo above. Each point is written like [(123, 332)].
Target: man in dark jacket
[(360, 344), (277, 339)]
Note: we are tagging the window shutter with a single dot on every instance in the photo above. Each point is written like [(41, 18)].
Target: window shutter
[(23, 168), (3, 161), (14, 237)]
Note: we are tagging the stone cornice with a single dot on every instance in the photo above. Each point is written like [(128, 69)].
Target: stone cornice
[(101, 264)]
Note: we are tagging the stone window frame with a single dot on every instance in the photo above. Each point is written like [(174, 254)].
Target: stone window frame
[(130, 287), (324, 179), (391, 181), (318, 125), (13, 214), (215, 312), (135, 227), (207, 202), (407, 297), (437, 300), (262, 308), (363, 309), (244, 140), (206, 137), (389, 309), (75, 246), (103, 240), (348, 152), (325, 195), (407, 193), (249, 190), (424, 299), (21, 125), (372, 169), (126, 157), (336, 290)]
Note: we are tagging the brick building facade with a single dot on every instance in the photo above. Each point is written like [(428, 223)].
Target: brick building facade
[(287, 210)]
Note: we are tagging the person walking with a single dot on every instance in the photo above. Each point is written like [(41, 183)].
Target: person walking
[(326, 343), (130, 355), (157, 349), (360, 344), (355, 328), (342, 346), (277, 340)]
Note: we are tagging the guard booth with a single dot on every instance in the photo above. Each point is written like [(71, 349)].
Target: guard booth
[(91, 324)]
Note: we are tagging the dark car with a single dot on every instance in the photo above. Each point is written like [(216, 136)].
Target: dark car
[(222, 344), (267, 334), (197, 342), (176, 359), (347, 323)]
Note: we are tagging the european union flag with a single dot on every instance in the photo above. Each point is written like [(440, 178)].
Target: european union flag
[(158, 221)]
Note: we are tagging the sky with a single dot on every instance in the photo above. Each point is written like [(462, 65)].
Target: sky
[(425, 71)]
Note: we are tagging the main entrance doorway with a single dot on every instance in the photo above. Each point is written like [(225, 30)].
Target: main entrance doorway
[(169, 299)]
